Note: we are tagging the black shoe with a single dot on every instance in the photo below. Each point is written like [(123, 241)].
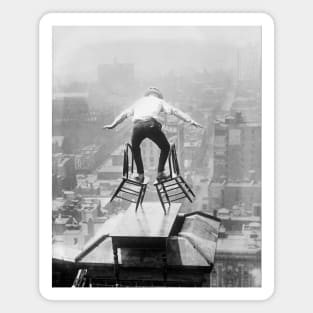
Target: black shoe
[(163, 176), (139, 178)]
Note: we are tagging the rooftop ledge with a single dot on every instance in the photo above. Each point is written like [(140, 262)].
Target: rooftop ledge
[(191, 239)]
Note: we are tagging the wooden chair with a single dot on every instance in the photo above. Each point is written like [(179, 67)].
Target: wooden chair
[(175, 187), (130, 189)]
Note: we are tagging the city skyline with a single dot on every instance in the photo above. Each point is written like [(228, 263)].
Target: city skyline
[(155, 51)]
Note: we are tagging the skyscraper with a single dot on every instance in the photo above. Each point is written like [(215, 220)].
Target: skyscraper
[(237, 149)]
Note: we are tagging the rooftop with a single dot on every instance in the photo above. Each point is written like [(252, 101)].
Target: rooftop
[(241, 218), (255, 184), (238, 244), (193, 244)]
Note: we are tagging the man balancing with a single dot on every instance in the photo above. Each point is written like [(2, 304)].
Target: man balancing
[(145, 114)]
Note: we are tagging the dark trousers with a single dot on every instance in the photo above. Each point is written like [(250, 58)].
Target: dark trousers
[(151, 129)]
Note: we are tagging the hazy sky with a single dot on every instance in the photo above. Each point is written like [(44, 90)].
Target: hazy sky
[(153, 50)]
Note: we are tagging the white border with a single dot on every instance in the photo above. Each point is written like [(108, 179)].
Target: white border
[(45, 162)]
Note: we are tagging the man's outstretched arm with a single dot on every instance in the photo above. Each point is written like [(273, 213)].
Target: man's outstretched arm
[(119, 119), (169, 109)]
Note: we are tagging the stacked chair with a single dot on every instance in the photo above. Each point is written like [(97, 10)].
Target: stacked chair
[(174, 188), (130, 189)]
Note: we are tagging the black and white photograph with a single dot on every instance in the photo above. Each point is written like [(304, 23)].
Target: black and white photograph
[(156, 167), (156, 156)]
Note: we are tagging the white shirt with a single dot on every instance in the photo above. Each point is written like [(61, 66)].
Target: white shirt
[(151, 107)]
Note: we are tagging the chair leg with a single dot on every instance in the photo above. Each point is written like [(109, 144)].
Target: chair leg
[(118, 190), (161, 200), (166, 195), (139, 198), (143, 195)]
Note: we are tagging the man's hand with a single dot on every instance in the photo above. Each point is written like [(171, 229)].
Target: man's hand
[(195, 124), (108, 126)]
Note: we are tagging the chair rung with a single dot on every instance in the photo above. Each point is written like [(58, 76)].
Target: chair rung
[(168, 190), (135, 192), (174, 183), (132, 182), (176, 194), (166, 186), (129, 193), (125, 199), (184, 197)]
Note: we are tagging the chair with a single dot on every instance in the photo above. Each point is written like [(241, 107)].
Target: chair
[(175, 187), (129, 189)]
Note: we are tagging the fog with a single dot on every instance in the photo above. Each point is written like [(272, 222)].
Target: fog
[(154, 50)]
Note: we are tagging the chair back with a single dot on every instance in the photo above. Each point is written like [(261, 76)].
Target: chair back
[(173, 162), (127, 149)]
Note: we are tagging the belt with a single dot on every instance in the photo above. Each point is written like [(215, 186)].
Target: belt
[(152, 121)]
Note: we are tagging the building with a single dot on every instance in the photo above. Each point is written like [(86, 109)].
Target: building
[(73, 119), (215, 195), (235, 191), (89, 157), (90, 210), (70, 107), (243, 195), (249, 105), (113, 166), (66, 170), (76, 219), (237, 258), (190, 251), (88, 188), (195, 146), (237, 149), (190, 152), (59, 225), (238, 251), (220, 151), (237, 262), (63, 173)]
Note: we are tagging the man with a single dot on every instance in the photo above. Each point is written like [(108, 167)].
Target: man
[(147, 124)]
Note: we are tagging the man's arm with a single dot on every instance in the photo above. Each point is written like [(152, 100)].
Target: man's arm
[(169, 109), (119, 119)]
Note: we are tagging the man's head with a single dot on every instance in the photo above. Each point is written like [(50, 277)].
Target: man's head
[(153, 91)]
